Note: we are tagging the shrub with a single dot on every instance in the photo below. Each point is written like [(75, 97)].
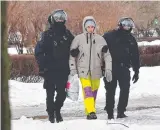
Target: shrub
[(149, 49), (24, 68), (150, 59)]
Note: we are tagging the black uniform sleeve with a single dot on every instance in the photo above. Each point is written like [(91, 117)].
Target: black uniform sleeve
[(105, 36), (109, 38), (135, 61), (40, 53), (71, 36)]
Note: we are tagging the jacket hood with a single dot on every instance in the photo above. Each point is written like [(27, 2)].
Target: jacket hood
[(84, 21)]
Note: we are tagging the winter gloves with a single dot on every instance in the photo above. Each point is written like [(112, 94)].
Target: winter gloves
[(107, 68), (135, 77), (108, 75)]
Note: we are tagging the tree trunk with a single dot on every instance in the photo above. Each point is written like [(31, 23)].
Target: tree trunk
[(6, 117)]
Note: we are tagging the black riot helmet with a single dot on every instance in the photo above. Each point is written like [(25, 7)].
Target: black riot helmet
[(126, 23), (58, 16)]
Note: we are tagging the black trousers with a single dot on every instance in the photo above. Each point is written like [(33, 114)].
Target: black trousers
[(122, 76), (52, 85)]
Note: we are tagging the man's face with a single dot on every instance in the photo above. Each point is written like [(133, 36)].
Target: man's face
[(90, 29)]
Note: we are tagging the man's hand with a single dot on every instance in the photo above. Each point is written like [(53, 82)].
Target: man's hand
[(135, 77)]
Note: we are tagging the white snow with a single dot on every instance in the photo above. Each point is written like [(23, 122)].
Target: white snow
[(30, 94), (80, 124), (148, 84), (146, 43), (26, 94), (13, 51)]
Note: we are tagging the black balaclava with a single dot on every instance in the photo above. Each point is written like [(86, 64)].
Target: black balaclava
[(56, 26), (124, 31)]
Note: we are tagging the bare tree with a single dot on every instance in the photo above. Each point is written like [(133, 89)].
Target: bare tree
[(30, 18)]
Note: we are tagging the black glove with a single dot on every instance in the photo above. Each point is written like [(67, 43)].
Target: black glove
[(135, 77), (42, 72)]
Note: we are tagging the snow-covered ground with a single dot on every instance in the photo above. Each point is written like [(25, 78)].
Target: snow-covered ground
[(31, 94), (144, 43), (28, 99), (81, 124)]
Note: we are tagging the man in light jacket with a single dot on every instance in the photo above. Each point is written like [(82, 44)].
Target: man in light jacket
[(88, 52)]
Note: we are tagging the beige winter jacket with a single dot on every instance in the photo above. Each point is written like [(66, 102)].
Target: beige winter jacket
[(90, 57)]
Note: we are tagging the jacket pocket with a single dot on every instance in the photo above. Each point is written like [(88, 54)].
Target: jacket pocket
[(98, 56), (81, 57)]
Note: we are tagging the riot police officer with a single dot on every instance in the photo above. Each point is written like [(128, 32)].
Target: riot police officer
[(52, 55), (124, 51)]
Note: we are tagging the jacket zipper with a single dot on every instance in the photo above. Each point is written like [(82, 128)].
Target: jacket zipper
[(90, 54)]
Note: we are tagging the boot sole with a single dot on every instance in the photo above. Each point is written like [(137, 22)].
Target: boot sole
[(59, 121), (53, 121), (91, 118), (122, 117)]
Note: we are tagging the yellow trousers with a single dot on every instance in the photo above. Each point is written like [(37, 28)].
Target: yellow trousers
[(90, 89)]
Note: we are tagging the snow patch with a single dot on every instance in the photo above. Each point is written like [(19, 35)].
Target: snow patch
[(79, 124), (146, 43), (30, 94)]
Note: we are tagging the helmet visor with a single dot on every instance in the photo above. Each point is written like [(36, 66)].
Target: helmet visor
[(60, 16), (128, 23)]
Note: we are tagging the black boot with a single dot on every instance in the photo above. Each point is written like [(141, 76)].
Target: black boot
[(91, 116), (58, 116), (51, 118), (121, 115), (110, 116)]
